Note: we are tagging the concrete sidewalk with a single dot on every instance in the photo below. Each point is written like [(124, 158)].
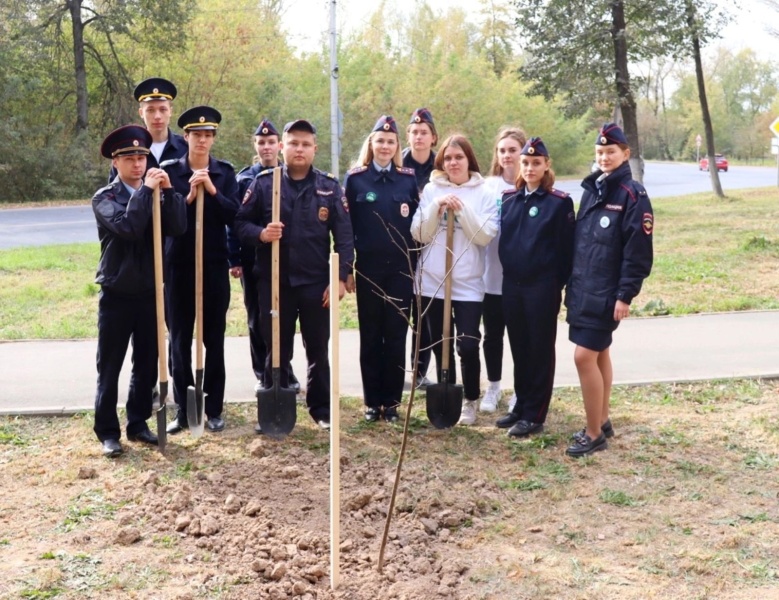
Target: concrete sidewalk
[(58, 377)]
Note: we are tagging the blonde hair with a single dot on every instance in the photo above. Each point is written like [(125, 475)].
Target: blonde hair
[(366, 152), (513, 132)]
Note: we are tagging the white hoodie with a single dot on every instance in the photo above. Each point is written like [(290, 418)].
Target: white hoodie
[(475, 225)]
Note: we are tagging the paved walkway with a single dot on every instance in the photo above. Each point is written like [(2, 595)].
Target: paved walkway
[(58, 377)]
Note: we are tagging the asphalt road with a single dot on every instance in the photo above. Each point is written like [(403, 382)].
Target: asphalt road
[(65, 225)]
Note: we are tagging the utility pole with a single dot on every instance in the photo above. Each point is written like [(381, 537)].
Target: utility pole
[(335, 134)]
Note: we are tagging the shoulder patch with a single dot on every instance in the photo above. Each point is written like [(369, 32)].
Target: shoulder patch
[(167, 163), (331, 176), (648, 223), (407, 171), (247, 195), (558, 193), (356, 170), (265, 172)]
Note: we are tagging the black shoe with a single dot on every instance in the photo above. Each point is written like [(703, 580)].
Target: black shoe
[(391, 414), (372, 414), (178, 424), (112, 448), (607, 429), (294, 384), (525, 428), (145, 436), (258, 429), (214, 424), (508, 420), (587, 445)]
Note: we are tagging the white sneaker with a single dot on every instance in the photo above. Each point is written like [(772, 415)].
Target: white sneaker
[(468, 413), (490, 401), (512, 402)]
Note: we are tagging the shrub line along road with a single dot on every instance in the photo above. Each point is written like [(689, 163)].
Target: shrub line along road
[(57, 377)]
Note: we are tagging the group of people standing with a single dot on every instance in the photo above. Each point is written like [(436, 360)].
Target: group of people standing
[(517, 243)]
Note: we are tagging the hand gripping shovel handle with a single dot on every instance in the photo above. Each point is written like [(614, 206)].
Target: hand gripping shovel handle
[(195, 396), (162, 415), (447, 341)]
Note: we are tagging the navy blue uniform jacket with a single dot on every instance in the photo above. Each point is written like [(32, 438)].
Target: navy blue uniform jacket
[(421, 171), (239, 255), (218, 211), (310, 209), (612, 249), (175, 147), (381, 207), (536, 236), (126, 238)]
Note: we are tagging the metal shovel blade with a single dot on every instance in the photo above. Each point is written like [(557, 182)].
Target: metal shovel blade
[(444, 402), (162, 416), (276, 409), (196, 406)]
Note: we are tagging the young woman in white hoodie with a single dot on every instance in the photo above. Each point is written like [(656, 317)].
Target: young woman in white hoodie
[(456, 184)]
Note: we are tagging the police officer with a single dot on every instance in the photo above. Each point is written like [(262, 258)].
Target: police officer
[(127, 308), (311, 210), (221, 202), (241, 259), (382, 196), (535, 250), (612, 257), (155, 106), (419, 155)]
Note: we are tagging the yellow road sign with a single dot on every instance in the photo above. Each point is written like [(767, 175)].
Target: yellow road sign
[(774, 127)]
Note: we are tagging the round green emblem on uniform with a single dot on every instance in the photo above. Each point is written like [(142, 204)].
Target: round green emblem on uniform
[(533, 211), (370, 197)]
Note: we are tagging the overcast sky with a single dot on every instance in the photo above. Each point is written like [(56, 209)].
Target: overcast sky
[(307, 21)]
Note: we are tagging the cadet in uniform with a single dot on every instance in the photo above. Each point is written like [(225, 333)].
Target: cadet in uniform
[(241, 258), (422, 138), (382, 197), (127, 308), (311, 209), (535, 250), (221, 202), (155, 105), (612, 257)]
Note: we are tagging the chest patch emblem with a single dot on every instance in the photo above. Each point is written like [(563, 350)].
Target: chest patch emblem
[(324, 192), (617, 207), (533, 211), (605, 222), (323, 213), (404, 210), (370, 197)]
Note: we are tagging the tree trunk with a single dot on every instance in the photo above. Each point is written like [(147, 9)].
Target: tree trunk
[(625, 97), (82, 119), (716, 186)]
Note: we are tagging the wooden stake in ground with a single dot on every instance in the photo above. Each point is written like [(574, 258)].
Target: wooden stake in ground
[(335, 426)]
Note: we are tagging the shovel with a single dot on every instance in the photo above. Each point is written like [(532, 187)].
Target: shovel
[(444, 399), (196, 398), (276, 409), (160, 409)]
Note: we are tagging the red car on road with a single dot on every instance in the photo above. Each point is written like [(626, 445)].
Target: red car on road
[(720, 161)]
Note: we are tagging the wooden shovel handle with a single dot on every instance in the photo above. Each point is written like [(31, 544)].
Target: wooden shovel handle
[(156, 222), (447, 290), (199, 278), (274, 292)]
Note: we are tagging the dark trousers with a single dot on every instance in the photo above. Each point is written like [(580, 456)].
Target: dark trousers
[(121, 319), (257, 347), (494, 328), (531, 321), (467, 316), (383, 330), (180, 313), (421, 330), (303, 302)]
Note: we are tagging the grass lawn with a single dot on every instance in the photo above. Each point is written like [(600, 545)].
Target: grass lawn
[(711, 255)]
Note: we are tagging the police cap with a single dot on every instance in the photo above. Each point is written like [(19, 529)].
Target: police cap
[(127, 140), (423, 115), (300, 125), (200, 118), (386, 123), (611, 133), (266, 128), (535, 147), (155, 88)]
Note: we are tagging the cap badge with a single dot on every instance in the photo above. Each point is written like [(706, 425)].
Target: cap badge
[(135, 143), (156, 90), (386, 126), (603, 139), (417, 119), (264, 131), (531, 150), (202, 119)]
